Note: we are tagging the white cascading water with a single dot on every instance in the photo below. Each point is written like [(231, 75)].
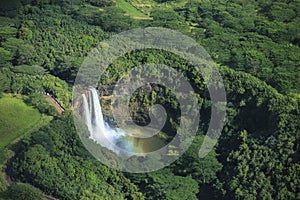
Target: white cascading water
[(100, 131), (87, 113), (98, 117)]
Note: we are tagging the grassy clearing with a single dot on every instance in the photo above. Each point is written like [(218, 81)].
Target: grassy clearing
[(146, 6), (16, 118), (129, 9)]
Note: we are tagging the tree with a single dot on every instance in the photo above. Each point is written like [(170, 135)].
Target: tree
[(113, 19), (9, 7), (204, 170), (24, 54), (4, 82), (5, 57), (39, 101), (6, 32), (165, 185), (101, 3), (24, 191)]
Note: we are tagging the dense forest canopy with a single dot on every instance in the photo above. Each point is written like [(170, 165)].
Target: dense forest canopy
[(256, 46)]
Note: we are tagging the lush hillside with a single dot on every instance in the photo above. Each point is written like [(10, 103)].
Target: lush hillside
[(257, 149), (256, 45), (260, 38)]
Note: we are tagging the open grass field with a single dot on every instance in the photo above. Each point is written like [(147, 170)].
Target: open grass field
[(129, 9), (16, 118), (146, 6)]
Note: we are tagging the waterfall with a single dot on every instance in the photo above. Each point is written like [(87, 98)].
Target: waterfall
[(87, 113), (98, 116), (100, 131)]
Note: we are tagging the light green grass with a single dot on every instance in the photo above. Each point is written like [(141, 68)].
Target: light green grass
[(129, 9), (16, 118), (146, 6)]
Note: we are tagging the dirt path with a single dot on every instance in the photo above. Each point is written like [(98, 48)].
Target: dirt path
[(57, 106), (7, 178), (141, 17), (50, 197)]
